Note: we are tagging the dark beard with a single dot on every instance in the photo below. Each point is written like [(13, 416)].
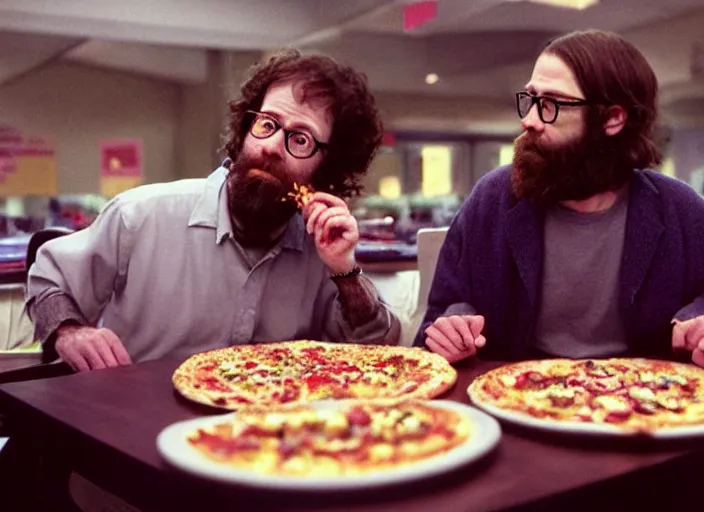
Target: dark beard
[(593, 164), (257, 202)]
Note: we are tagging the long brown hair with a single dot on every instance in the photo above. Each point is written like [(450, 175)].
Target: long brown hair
[(611, 71), (357, 129)]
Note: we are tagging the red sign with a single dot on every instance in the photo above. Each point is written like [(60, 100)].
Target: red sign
[(121, 157), (419, 13), (388, 139)]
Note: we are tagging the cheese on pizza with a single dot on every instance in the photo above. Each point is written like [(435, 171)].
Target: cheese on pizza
[(357, 438)]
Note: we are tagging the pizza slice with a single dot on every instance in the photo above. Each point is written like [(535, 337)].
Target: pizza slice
[(301, 194)]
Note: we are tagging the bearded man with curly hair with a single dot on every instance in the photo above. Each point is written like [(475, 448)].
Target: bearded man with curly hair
[(261, 250)]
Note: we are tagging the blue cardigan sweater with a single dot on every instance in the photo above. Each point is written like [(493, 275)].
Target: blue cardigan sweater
[(492, 262)]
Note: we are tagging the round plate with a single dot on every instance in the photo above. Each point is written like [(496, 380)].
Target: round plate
[(579, 427), (175, 449)]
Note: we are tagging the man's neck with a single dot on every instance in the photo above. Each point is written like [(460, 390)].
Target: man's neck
[(595, 204)]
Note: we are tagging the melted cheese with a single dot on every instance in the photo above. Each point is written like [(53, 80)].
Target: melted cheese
[(642, 394), (612, 403)]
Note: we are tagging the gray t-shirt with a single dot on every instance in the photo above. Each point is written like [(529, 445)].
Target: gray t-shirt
[(579, 313)]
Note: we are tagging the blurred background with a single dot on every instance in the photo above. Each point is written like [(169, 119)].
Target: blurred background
[(97, 97)]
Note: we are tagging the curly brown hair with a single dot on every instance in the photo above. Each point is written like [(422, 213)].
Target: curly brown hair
[(357, 128)]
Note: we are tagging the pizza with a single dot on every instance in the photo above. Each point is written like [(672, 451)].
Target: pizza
[(303, 370), (353, 438), (302, 195), (628, 395)]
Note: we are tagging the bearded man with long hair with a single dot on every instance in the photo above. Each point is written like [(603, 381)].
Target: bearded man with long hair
[(580, 248)]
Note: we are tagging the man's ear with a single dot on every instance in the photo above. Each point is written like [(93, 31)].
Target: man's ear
[(616, 117)]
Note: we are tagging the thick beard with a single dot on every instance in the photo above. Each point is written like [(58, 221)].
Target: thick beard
[(572, 172), (258, 201)]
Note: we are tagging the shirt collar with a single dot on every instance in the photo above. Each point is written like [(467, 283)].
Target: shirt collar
[(212, 211)]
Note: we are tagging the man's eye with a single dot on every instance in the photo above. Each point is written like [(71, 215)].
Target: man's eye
[(267, 124), (301, 140), (547, 105)]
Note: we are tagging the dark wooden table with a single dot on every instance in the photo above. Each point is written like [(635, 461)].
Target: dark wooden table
[(8, 363), (104, 424)]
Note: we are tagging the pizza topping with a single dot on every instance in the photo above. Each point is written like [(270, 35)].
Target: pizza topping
[(561, 397), (641, 394), (358, 416), (303, 371), (292, 441), (636, 395), (670, 403), (302, 195)]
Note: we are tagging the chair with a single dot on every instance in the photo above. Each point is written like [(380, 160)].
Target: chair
[(429, 241), (41, 237)]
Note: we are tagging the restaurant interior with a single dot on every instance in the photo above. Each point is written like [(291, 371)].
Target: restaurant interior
[(99, 97)]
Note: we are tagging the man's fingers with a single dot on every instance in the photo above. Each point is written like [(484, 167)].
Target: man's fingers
[(694, 333), (339, 227), (444, 326), (436, 335), (328, 199), (698, 356), (315, 212), (480, 341), (451, 356), (118, 349), (678, 336), (459, 323), (436, 347), (687, 334), (476, 324), (328, 213), (104, 351), (76, 361), (95, 362)]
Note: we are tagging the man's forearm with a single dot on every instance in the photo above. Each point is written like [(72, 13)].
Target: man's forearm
[(359, 300)]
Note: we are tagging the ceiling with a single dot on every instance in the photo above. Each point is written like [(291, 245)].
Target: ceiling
[(482, 50)]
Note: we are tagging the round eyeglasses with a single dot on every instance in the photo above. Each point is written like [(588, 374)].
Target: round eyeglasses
[(548, 108), (298, 144)]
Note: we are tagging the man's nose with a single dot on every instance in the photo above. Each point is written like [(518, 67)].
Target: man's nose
[(532, 120), (274, 145)]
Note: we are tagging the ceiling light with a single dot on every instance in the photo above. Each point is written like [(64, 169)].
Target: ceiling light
[(568, 4), (431, 78)]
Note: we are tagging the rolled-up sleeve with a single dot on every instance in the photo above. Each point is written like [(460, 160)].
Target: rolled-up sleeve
[(382, 328), (75, 276)]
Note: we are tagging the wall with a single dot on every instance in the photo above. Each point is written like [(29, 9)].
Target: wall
[(76, 106), (204, 109)]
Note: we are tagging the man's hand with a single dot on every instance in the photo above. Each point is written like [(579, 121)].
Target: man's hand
[(689, 335), (334, 228), (456, 337), (87, 348)]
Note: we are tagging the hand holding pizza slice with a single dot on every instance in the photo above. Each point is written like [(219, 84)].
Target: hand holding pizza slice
[(329, 221)]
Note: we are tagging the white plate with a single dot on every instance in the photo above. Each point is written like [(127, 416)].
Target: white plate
[(579, 427), (174, 447)]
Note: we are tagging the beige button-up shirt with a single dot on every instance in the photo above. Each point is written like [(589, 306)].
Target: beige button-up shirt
[(160, 268)]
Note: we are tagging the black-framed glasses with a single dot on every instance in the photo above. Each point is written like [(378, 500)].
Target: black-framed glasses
[(298, 144), (548, 108)]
